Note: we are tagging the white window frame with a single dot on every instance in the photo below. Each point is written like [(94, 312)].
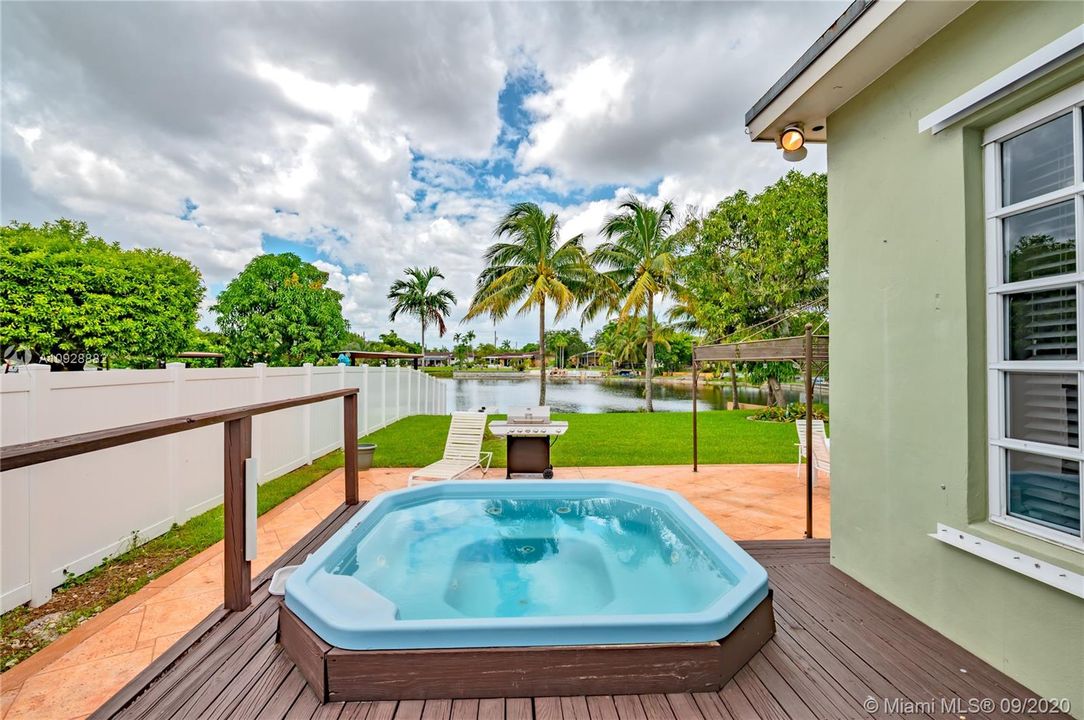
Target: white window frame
[(1069, 100)]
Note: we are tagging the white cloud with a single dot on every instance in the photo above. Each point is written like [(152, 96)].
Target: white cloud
[(323, 123)]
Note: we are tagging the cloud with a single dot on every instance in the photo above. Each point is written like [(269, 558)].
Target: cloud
[(379, 135)]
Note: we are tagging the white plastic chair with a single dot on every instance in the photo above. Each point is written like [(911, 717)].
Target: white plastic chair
[(462, 450), (821, 455), (822, 452)]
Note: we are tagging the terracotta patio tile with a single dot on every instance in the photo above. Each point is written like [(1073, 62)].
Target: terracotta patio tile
[(163, 643), (181, 614), (76, 690), (7, 697), (119, 637), (202, 579)]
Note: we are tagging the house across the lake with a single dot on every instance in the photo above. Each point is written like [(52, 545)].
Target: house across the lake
[(956, 208), (510, 359), (438, 359)]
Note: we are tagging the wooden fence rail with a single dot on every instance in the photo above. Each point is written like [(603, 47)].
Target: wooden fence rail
[(237, 448)]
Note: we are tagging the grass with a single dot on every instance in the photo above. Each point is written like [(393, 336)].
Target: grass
[(609, 439), (25, 630)]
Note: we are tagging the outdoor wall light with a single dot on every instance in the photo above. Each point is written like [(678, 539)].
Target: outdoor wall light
[(793, 143)]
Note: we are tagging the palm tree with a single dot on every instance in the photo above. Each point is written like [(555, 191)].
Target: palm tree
[(560, 342), (413, 297), (640, 257), (530, 265)]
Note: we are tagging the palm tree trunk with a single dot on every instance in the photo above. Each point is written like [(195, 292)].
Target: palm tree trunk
[(423, 343), (542, 353), (649, 360)]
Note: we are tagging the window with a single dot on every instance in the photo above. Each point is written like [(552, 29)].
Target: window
[(1034, 171)]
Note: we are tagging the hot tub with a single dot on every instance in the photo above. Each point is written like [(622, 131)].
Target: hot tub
[(525, 564)]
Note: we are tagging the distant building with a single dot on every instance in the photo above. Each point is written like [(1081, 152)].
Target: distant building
[(437, 359), (510, 359)]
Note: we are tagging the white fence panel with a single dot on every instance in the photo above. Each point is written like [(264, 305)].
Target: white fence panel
[(67, 515), (15, 420), (326, 428)]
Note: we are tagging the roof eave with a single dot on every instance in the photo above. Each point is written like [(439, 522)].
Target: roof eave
[(865, 42)]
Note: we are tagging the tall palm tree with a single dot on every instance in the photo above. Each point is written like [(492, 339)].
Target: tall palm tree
[(529, 266), (640, 257), (413, 296)]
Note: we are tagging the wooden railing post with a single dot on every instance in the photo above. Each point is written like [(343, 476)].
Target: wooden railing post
[(350, 445), (238, 571)]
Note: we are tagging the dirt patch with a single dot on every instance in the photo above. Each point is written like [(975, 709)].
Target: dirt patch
[(25, 630)]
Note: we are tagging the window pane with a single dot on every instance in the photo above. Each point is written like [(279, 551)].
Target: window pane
[(1045, 490), (1042, 325), (1040, 242), (1037, 161), (1043, 408)]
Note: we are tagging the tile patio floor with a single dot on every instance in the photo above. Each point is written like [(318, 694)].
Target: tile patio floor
[(82, 669)]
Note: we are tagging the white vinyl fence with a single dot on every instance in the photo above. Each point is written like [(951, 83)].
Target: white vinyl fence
[(67, 515)]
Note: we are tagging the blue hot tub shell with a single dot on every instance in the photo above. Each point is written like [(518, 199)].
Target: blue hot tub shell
[(347, 614)]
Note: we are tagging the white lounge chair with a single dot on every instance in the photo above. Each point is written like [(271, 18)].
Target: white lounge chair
[(821, 455), (462, 450), (822, 452)]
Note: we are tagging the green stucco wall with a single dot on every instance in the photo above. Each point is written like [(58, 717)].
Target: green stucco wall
[(908, 355)]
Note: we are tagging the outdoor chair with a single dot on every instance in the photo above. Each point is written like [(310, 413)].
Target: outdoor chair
[(462, 450), (821, 454)]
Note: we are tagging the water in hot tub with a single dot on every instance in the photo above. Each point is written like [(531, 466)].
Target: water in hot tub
[(480, 558)]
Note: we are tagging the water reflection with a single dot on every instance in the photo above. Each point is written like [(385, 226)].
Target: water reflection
[(598, 396)]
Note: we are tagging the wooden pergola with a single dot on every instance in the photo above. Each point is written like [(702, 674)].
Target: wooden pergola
[(356, 355), (199, 355), (806, 350)]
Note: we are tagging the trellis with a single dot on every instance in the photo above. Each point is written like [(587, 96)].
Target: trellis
[(806, 350)]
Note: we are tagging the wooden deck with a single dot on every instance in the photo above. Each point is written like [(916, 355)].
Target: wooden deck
[(836, 646)]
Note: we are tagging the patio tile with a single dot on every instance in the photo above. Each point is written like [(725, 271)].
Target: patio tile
[(7, 697), (205, 577), (163, 643), (119, 637), (183, 613), (76, 690)]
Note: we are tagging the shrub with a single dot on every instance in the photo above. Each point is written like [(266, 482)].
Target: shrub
[(788, 413)]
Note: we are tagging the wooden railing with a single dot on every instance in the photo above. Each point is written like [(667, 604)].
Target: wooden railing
[(237, 448)]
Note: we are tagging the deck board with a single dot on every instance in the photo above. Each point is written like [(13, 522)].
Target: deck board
[(836, 644)]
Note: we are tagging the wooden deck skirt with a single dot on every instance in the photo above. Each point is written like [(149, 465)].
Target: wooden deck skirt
[(338, 675), (837, 647)]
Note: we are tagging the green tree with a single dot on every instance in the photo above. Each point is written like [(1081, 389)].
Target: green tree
[(278, 311), (677, 353), (566, 343), (640, 258), (463, 345), (68, 292), (414, 297), (391, 342), (755, 262), (625, 341), (529, 266)]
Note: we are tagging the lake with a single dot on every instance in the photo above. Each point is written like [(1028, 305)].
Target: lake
[(597, 396)]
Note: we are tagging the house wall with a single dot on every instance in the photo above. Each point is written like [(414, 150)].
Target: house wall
[(908, 354)]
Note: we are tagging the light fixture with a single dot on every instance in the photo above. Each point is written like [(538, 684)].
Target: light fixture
[(792, 141)]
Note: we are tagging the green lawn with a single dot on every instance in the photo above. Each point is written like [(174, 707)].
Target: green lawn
[(609, 439)]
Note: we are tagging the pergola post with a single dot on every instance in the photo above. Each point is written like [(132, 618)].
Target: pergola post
[(809, 430), (696, 454)]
